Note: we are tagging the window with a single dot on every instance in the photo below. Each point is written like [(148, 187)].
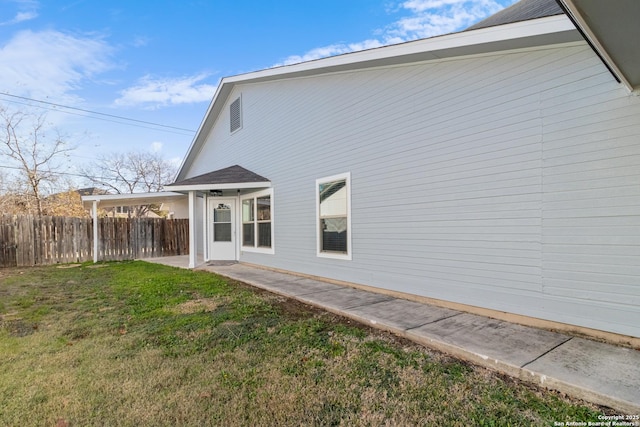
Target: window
[(235, 115), (333, 206), (222, 223), (257, 222)]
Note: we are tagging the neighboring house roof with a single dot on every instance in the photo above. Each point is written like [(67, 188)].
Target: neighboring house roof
[(232, 177), (522, 11), (90, 191)]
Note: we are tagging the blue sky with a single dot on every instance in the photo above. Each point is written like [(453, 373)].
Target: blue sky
[(160, 61)]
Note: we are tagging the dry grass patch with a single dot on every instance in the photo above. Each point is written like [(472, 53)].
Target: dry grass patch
[(197, 306)]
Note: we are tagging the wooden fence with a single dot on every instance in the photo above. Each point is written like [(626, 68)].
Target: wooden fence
[(30, 240)]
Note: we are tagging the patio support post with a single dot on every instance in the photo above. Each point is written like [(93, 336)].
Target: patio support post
[(205, 230), (95, 231), (193, 246)]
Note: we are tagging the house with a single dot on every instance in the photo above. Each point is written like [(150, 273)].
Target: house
[(494, 170)]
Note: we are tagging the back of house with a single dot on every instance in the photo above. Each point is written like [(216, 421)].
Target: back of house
[(495, 170)]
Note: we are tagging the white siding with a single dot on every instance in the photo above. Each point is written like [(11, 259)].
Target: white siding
[(506, 181), (591, 203)]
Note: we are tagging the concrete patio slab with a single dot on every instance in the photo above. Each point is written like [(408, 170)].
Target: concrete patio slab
[(285, 284), (343, 298), (303, 286), (594, 367), (492, 339), (400, 315), (180, 261), (248, 274)]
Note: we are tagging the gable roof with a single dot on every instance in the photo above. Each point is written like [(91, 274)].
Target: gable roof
[(521, 11), (231, 177), (517, 35)]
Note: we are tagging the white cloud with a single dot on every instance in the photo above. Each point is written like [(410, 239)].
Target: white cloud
[(422, 5), (331, 50), (27, 10), (23, 16), (140, 41), (156, 147), (175, 161), (435, 17), (51, 64), (427, 18), (160, 92)]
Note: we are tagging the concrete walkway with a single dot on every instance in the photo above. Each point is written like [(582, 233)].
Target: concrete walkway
[(600, 373)]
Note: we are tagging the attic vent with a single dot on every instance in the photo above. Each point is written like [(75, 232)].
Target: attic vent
[(236, 116)]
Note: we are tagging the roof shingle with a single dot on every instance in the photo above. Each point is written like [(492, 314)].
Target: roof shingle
[(523, 10), (231, 175)]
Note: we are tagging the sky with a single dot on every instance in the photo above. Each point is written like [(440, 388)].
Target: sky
[(124, 75)]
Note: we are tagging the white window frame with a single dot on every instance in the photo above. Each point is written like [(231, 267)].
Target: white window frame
[(334, 255), (256, 248)]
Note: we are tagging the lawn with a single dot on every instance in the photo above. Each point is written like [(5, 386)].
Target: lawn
[(138, 344)]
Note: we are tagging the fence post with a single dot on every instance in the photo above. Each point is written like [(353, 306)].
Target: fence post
[(8, 250), (95, 231)]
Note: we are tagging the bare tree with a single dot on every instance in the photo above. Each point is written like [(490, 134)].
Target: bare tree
[(131, 172), (35, 150)]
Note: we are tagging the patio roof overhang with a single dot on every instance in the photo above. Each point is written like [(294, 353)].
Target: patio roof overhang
[(231, 178), (113, 200)]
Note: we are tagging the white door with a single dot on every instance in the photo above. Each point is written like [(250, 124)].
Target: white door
[(222, 233)]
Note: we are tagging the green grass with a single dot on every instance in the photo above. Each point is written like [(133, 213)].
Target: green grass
[(138, 344)]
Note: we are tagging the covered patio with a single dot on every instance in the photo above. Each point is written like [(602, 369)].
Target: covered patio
[(105, 201), (210, 201), (180, 261)]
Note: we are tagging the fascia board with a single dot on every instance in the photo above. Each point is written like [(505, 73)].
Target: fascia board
[(111, 200), (207, 187), (433, 48), (213, 111)]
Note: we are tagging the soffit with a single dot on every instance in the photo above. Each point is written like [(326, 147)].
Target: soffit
[(612, 28)]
